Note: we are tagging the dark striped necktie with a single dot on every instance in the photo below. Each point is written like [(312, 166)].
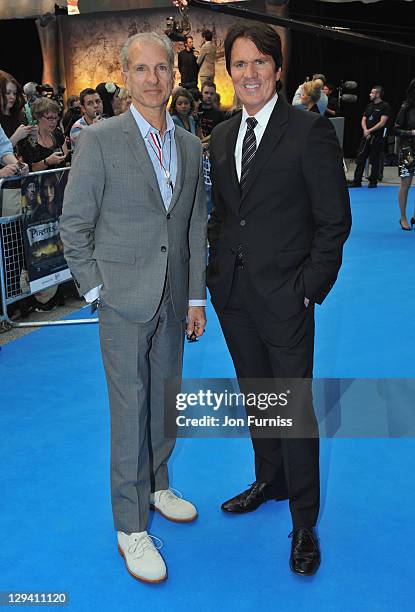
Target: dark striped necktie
[(248, 149)]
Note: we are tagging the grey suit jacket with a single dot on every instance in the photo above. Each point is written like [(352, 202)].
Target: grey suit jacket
[(116, 230)]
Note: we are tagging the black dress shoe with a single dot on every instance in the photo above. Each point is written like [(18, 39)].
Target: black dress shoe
[(249, 500), (353, 184), (372, 185), (305, 552)]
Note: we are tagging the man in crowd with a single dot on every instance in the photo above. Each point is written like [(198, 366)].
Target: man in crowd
[(332, 109), (281, 216), (187, 64), (207, 58), (91, 109), (321, 104), (374, 120), (134, 232), (210, 116)]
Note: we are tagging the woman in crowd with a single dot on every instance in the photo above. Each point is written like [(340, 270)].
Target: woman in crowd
[(11, 109), (124, 101), (49, 150), (108, 93), (311, 94), (182, 108), (11, 120), (405, 130)]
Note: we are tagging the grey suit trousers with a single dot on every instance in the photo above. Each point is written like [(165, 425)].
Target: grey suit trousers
[(138, 357)]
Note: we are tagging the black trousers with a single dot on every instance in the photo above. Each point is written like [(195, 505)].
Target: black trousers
[(372, 148), (263, 347)]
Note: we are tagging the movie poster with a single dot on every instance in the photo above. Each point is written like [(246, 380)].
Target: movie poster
[(42, 198)]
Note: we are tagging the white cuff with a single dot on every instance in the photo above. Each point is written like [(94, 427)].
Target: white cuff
[(197, 303), (93, 294)]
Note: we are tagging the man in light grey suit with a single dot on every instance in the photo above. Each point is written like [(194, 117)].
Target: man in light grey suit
[(134, 232)]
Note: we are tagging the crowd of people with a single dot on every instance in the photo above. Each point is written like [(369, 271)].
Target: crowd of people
[(36, 133)]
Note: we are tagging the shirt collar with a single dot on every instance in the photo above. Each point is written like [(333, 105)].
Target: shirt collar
[(264, 114), (145, 127)]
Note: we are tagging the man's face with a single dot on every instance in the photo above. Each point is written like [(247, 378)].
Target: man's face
[(374, 95), (149, 78), (189, 43), (254, 75), (92, 106), (208, 96), (326, 90)]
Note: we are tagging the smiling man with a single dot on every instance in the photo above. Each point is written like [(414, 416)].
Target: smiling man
[(281, 216), (134, 231)]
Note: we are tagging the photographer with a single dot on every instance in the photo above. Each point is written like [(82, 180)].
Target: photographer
[(207, 58), (187, 64)]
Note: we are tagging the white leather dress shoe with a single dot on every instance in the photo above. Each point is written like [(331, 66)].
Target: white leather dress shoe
[(142, 558), (172, 507)]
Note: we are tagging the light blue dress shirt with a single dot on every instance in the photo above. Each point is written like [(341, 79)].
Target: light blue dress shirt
[(6, 147), (169, 149)]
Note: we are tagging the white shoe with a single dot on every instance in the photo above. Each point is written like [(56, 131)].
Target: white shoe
[(173, 507), (142, 558)]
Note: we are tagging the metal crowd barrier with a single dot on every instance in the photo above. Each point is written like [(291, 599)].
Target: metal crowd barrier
[(13, 261)]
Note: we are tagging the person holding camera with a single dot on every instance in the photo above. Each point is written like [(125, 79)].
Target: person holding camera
[(405, 130), (49, 150), (187, 64)]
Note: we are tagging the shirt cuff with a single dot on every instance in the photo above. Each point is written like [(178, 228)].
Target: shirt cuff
[(197, 303), (93, 294)]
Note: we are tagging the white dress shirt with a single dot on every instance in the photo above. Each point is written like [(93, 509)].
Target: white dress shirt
[(262, 117)]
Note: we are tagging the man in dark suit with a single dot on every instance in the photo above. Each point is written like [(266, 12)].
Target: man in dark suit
[(281, 216)]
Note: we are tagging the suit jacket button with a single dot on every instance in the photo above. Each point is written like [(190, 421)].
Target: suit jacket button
[(168, 216), (243, 222), (163, 249)]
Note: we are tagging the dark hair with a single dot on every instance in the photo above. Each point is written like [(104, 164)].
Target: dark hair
[(207, 34), (70, 101), (5, 78), (208, 83), (181, 91), (379, 89), (265, 38), (410, 93), (320, 76), (107, 96), (87, 92)]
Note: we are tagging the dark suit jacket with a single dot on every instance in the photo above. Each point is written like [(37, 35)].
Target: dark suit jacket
[(293, 218)]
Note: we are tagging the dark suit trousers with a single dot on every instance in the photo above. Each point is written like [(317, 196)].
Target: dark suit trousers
[(371, 148), (261, 346)]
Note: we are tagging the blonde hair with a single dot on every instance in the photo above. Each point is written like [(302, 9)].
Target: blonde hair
[(312, 90)]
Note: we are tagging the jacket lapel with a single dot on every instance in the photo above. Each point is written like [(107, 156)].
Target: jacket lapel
[(181, 167), (231, 138), (274, 131), (138, 148)]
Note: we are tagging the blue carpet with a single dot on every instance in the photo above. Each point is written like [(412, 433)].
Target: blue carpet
[(55, 511)]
